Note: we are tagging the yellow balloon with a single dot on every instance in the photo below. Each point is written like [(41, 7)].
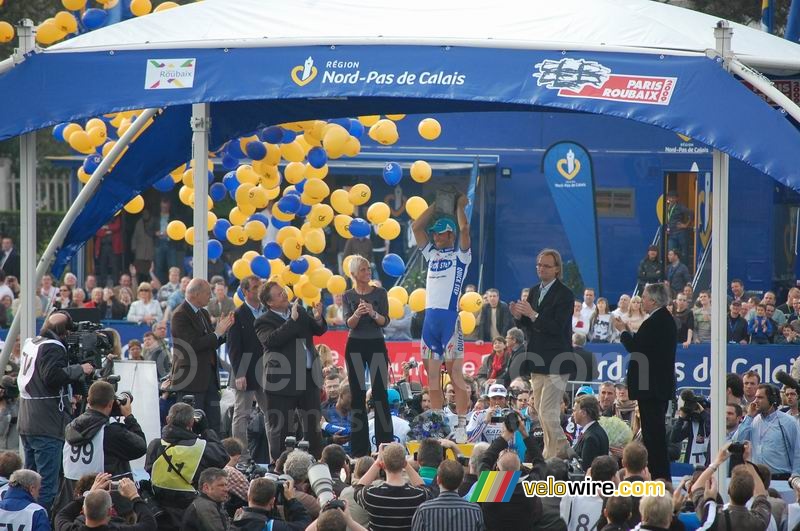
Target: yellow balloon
[(289, 292), (395, 117), (293, 152), (320, 216), (378, 212), (273, 157), (468, 322), (237, 217), (212, 220), (71, 128), (316, 173), (80, 141), (236, 235), (140, 8), (189, 236), (415, 206), (399, 293), (336, 285), (340, 201), (276, 212), (249, 255), (334, 138), (49, 32), (359, 194), (315, 241), (236, 300), (389, 229), (352, 147), (314, 263), (108, 146), (369, 121), (292, 248), (317, 190), (164, 7), (67, 22), (342, 225), (471, 302), (97, 135), (272, 193), (421, 171), (396, 309), (96, 122), (429, 129), (319, 277), (294, 172), (272, 177), (384, 132), (291, 278), (258, 197), (73, 5), (186, 195), (241, 269), (188, 178), (246, 174), (416, 300), (346, 265), (288, 232), (309, 291), (82, 175), (176, 230), (255, 230), (277, 266), (135, 205)]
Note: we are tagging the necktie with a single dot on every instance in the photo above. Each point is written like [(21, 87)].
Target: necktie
[(542, 293), (206, 324)]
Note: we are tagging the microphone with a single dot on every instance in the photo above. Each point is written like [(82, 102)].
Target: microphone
[(787, 380)]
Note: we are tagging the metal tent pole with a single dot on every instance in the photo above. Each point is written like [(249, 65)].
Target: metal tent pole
[(719, 275), (201, 124), (61, 233), (27, 180)]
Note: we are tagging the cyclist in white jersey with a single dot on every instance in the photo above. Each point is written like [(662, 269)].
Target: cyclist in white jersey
[(448, 256)]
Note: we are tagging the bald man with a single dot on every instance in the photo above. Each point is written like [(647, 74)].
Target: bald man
[(195, 341)]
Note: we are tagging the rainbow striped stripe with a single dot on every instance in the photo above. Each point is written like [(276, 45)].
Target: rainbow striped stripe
[(494, 487)]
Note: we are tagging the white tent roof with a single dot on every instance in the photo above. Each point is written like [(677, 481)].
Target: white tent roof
[(611, 25)]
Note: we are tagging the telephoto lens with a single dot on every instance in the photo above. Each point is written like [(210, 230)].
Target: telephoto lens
[(319, 477)]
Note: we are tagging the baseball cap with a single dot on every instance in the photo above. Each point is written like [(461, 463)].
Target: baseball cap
[(584, 390), (443, 225), (392, 396), (497, 390)]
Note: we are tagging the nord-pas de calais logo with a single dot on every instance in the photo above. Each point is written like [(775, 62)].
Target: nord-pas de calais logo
[(304, 74), (579, 78), (164, 74)]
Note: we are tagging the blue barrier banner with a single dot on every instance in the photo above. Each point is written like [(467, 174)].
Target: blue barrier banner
[(568, 171)]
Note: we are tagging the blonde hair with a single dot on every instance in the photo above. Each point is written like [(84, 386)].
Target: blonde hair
[(325, 354), (638, 299), (355, 262), (556, 259)]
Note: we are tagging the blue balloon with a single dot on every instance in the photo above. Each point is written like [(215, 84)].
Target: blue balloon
[(359, 228), (344, 122), (259, 217), (289, 204), (273, 135), (278, 223), (214, 249), (164, 184), (234, 149), (317, 157), (288, 136), (231, 182), (229, 162), (393, 265), (256, 150), (299, 266), (356, 128), (217, 191), (91, 163), (260, 266), (300, 186), (221, 229), (94, 18), (58, 131), (392, 173), (240, 293), (294, 191), (272, 250), (303, 210)]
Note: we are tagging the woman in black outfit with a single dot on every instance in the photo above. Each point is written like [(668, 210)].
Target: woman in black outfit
[(366, 312)]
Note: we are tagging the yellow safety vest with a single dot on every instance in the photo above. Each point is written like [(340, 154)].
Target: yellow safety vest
[(186, 459)]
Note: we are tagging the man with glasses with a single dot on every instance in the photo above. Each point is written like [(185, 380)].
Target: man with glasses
[(546, 319), (246, 355)]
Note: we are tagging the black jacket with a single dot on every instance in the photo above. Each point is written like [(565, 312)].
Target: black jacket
[(204, 514), (122, 443), (737, 330), (592, 443), (244, 348), (11, 266), (550, 335), (682, 431), (68, 518), (651, 370), (284, 355), (650, 272), (505, 321), (118, 310), (297, 518)]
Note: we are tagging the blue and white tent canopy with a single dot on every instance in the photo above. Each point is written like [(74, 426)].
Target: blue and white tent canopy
[(264, 62)]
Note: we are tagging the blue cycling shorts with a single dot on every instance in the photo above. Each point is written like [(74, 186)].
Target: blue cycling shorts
[(441, 335)]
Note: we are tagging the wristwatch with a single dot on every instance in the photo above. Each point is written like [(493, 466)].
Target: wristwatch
[(374, 315)]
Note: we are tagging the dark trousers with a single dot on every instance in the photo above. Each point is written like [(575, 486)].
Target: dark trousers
[(208, 401), (280, 413), (361, 354), (654, 437)]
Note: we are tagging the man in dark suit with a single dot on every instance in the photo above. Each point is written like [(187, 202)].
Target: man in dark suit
[(593, 440), (651, 373), (9, 258), (195, 342), (247, 361), (293, 373), (495, 319), (546, 319)]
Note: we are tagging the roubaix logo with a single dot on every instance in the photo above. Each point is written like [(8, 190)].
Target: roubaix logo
[(164, 74), (304, 74), (579, 78)]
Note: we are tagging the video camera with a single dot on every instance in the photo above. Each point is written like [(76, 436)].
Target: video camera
[(693, 404), (87, 342), (280, 481)]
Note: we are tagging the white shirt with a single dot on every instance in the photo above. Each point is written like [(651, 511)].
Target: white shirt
[(587, 312), (447, 269), (400, 429), (139, 309)]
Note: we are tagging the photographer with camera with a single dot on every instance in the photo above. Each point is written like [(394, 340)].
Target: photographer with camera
[(774, 436), (9, 413), (400, 426), (693, 424), (263, 499), (44, 380), (186, 447), (98, 508)]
